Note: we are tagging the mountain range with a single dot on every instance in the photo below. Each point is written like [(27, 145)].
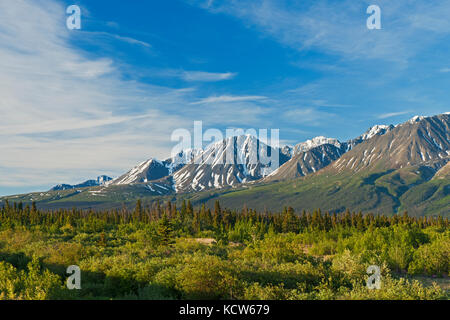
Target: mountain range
[(100, 181), (387, 169)]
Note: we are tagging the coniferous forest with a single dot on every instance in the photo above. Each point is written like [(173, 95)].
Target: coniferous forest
[(165, 251)]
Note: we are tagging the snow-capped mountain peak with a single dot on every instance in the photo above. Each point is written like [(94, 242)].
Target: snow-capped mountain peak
[(183, 157), (245, 158), (315, 142), (103, 180), (229, 162), (100, 181), (376, 130), (288, 150), (154, 169), (150, 169), (418, 141), (416, 119)]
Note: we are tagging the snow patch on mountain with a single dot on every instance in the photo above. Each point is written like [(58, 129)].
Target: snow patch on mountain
[(375, 130), (100, 181), (138, 173), (315, 142), (154, 169), (177, 161), (416, 119), (234, 160)]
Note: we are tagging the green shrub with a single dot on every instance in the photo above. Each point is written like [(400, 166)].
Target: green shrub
[(432, 259), (206, 277), (30, 284)]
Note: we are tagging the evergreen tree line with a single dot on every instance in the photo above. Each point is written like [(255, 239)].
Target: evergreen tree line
[(192, 220), (163, 251)]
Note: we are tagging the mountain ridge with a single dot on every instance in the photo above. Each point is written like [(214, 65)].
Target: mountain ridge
[(101, 180), (387, 169)]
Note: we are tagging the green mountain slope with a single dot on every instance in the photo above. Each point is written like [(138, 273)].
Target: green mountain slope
[(406, 169), (388, 192)]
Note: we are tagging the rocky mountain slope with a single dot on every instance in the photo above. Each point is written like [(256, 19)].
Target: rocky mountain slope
[(230, 162), (404, 169), (317, 153), (419, 141), (100, 181), (306, 162), (386, 170), (154, 169)]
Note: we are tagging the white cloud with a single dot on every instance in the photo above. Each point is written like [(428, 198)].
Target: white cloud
[(207, 76), (393, 114), (66, 124), (67, 116), (310, 116), (226, 98), (445, 70), (129, 40), (340, 27), (195, 76)]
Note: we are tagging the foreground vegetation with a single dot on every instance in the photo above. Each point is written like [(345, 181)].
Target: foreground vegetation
[(161, 252)]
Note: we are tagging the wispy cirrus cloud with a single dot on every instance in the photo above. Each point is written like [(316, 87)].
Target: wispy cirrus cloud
[(195, 76), (129, 40), (207, 76), (393, 114), (340, 27), (307, 115), (67, 115), (62, 111), (67, 124), (356, 67), (228, 99), (110, 39)]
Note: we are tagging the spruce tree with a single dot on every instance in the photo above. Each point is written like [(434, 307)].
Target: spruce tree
[(165, 231)]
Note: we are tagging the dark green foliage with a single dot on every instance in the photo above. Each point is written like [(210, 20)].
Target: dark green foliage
[(157, 251), (165, 231)]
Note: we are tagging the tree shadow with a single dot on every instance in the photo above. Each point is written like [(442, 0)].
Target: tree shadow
[(94, 285)]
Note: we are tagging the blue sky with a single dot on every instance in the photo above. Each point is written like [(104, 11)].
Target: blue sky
[(80, 103)]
